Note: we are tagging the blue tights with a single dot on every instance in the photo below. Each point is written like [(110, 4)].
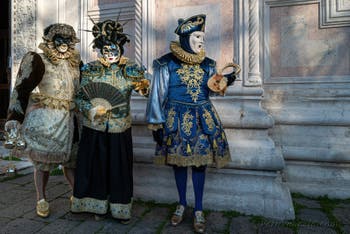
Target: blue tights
[(198, 179)]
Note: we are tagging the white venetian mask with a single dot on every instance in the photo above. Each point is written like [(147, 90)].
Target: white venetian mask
[(197, 41)]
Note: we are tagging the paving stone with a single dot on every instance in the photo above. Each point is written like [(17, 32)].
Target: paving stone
[(28, 187), (79, 216), (313, 215), (4, 221), (19, 209), (22, 180), (59, 226), (22, 226), (346, 229), (13, 196), (315, 230), (56, 191), (5, 186), (216, 222), (87, 227), (58, 208), (138, 209), (110, 225), (242, 225), (342, 215), (151, 221), (270, 228), (344, 205), (308, 203)]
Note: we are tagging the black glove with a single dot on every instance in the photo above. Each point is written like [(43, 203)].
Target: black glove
[(158, 136), (230, 78)]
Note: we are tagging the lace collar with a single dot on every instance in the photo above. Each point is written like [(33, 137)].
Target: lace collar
[(55, 56), (184, 56)]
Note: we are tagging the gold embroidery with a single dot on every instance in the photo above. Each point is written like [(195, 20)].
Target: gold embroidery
[(195, 160), (192, 76), (191, 24), (187, 124), (184, 56), (209, 120), (171, 118), (52, 102)]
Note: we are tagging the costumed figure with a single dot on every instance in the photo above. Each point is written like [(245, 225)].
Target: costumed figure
[(41, 108), (185, 124), (104, 178)]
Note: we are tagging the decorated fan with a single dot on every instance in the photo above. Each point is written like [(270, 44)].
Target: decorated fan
[(100, 93)]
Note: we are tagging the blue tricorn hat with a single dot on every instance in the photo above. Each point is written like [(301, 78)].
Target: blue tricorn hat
[(190, 25)]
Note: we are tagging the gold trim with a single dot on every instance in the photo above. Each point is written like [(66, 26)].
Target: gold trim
[(88, 204), (154, 127), (121, 211), (196, 160), (184, 56), (233, 65)]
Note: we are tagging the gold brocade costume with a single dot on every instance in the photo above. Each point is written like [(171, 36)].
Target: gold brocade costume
[(48, 122)]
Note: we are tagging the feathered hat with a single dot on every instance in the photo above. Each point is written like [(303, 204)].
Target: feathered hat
[(108, 32)]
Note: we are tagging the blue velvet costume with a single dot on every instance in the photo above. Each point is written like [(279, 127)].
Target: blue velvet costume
[(180, 109), (193, 133)]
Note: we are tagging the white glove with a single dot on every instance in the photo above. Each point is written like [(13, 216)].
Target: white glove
[(96, 112)]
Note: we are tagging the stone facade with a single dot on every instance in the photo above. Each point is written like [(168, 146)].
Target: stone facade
[(23, 36), (287, 115)]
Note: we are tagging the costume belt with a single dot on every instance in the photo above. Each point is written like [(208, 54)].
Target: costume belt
[(52, 102), (189, 103)]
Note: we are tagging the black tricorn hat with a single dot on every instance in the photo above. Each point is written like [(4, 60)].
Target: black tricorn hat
[(190, 25)]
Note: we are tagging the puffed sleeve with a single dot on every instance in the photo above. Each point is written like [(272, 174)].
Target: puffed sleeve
[(137, 75), (158, 93), (81, 101), (30, 74)]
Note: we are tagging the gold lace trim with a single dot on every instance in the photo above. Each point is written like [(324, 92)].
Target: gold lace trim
[(121, 211), (184, 56), (55, 56), (196, 160), (88, 204)]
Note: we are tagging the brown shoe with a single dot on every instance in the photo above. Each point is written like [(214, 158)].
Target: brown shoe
[(42, 208), (199, 222), (177, 215)]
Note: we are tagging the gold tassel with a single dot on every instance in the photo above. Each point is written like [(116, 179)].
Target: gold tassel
[(223, 135), (168, 141), (215, 145), (188, 148)]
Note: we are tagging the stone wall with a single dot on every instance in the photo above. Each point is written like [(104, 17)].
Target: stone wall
[(23, 37), (306, 84)]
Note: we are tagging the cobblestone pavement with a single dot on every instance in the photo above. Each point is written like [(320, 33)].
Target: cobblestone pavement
[(17, 213)]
